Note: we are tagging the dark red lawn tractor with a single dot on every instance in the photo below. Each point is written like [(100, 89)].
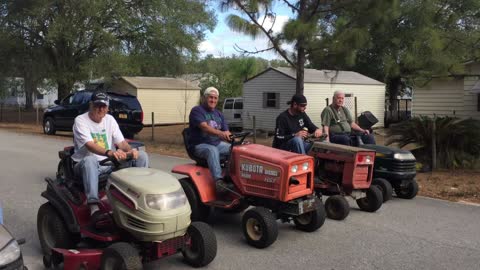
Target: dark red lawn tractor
[(279, 184), (345, 171), (147, 218)]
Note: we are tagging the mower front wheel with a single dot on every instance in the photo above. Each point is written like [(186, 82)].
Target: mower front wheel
[(373, 201), (311, 221), (385, 187), (203, 248), (121, 256), (200, 211), (408, 192), (259, 227), (337, 207)]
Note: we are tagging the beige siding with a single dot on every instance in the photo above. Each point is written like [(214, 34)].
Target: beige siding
[(441, 97), (270, 81), (369, 98), (168, 106), (470, 100), (122, 87)]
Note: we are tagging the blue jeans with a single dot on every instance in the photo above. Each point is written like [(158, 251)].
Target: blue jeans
[(90, 169), (297, 145), (347, 139), (213, 154)]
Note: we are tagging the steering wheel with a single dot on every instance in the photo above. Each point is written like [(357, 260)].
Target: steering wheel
[(112, 161), (241, 135)]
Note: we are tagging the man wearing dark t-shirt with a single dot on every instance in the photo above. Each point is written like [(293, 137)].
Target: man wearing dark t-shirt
[(293, 126), (209, 134)]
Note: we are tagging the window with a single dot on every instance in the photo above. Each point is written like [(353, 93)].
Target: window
[(39, 96), (68, 100), (238, 104), (228, 104), (271, 100), (81, 98)]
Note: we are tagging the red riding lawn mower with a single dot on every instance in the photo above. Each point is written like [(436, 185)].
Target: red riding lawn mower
[(278, 183), (147, 218), (345, 171)]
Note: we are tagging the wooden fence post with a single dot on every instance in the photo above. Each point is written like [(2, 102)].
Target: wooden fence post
[(254, 130), (19, 114), (153, 125), (37, 116), (356, 109), (434, 142)]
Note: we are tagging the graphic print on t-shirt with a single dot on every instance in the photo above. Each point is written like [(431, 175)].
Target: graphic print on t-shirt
[(100, 139), (300, 122), (213, 121)]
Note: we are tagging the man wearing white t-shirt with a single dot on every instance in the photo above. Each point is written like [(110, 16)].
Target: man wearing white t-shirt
[(94, 134)]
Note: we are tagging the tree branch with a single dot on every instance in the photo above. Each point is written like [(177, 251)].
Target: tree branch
[(291, 6), (243, 51), (269, 36)]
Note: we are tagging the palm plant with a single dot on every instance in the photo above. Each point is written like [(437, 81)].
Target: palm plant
[(457, 140)]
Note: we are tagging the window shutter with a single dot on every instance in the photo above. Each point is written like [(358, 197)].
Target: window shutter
[(277, 100), (265, 95)]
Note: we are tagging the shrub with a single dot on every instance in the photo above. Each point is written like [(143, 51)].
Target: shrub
[(457, 140)]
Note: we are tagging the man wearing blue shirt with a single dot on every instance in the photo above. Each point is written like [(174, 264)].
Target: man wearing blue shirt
[(210, 134)]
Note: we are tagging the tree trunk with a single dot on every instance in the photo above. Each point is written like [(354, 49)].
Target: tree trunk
[(64, 88), (30, 84), (300, 70), (394, 86)]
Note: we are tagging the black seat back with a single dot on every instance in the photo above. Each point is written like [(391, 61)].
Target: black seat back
[(186, 133), (67, 165)]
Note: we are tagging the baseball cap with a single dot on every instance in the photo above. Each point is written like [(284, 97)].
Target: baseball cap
[(211, 90), (100, 97), (298, 98)]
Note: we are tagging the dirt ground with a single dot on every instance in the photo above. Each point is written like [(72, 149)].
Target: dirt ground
[(455, 185)]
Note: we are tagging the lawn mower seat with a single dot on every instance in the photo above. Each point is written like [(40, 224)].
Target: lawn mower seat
[(68, 171), (190, 150)]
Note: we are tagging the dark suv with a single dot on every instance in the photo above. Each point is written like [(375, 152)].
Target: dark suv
[(125, 108)]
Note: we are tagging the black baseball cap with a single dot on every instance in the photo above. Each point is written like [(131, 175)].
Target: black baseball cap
[(100, 97), (298, 98)]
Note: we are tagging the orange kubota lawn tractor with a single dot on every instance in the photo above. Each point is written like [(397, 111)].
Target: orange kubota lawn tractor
[(279, 184)]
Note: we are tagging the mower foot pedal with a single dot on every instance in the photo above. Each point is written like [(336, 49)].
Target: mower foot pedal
[(223, 203)]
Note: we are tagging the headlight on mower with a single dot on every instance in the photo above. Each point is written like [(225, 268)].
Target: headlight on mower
[(305, 166), (294, 168), (9, 253), (404, 156), (166, 201)]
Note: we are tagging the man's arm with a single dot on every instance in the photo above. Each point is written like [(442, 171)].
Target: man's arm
[(312, 128), (358, 128), (224, 135)]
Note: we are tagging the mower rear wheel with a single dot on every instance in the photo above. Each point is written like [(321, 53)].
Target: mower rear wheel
[(408, 192), (385, 187), (200, 211), (337, 207), (203, 248), (53, 232), (311, 221), (121, 256), (259, 227), (373, 201)]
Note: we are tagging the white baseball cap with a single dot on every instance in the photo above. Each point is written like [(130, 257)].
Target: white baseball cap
[(211, 90)]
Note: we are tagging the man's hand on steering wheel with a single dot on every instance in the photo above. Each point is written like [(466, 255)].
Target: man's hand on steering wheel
[(225, 135), (133, 153), (302, 134), (118, 155)]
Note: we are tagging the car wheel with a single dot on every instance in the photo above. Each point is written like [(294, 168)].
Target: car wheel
[(49, 126)]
